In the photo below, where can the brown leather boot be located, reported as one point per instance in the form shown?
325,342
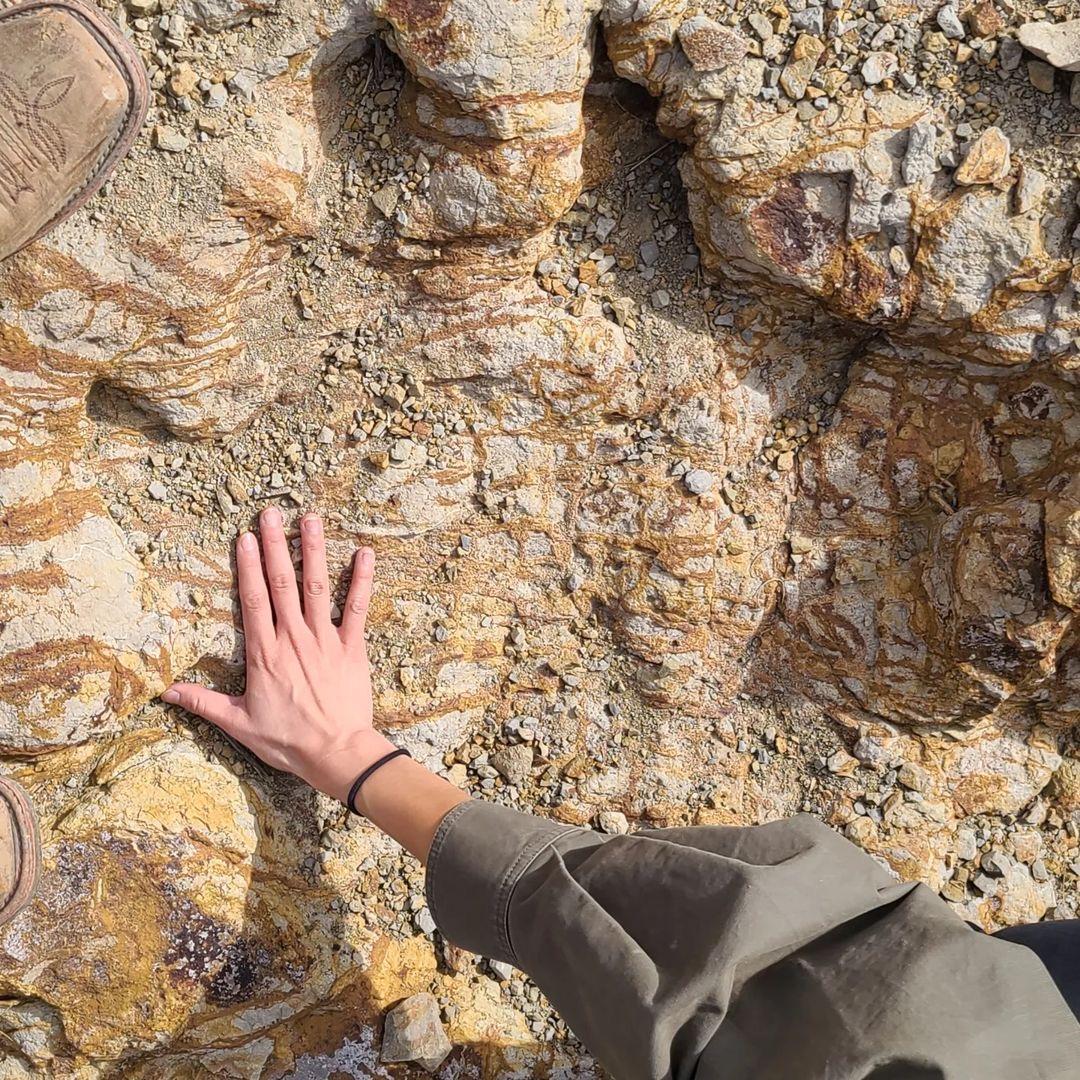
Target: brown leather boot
20,851
73,95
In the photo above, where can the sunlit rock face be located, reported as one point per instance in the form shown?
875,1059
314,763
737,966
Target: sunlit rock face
818,446
925,596
924,593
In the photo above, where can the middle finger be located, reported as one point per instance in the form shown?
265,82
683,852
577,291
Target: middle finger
280,575
316,587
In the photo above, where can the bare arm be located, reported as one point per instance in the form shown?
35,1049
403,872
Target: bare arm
307,705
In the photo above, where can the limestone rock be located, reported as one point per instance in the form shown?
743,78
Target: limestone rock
414,1033
167,138
514,763
920,158
949,20
1063,545
386,199
1065,785
875,368
698,481
984,19
710,46
987,160
613,822
805,54
1030,188
222,14
878,67
1056,43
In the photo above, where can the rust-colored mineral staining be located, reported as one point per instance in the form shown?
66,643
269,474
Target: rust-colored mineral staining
740,482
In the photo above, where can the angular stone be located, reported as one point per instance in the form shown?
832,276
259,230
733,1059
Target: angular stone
1056,43
501,970
966,846
948,19
413,1033
1042,76
244,84
761,25
222,14
985,20
386,199
513,763
920,158
1011,52
841,763
1030,187
217,97
804,58
613,822
879,66
995,862
710,46
1063,545
811,19
1065,785
169,139
183,81
1027,845
913,776
987,160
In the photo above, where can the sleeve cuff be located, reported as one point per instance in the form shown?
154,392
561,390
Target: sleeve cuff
479,853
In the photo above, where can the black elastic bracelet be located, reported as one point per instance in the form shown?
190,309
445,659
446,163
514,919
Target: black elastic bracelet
358,783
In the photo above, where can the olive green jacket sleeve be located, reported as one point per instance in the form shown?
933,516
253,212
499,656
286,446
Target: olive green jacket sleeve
780,951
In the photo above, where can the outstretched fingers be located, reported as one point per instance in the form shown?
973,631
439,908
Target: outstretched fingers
225,710
354,618
316,581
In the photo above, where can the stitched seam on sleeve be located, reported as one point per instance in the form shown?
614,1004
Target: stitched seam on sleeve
525,858
441,833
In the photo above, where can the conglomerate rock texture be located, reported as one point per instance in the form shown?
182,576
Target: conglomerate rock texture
706,379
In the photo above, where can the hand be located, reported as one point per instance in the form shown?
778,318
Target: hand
307,707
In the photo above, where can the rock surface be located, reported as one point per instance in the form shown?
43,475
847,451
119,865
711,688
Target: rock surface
720,466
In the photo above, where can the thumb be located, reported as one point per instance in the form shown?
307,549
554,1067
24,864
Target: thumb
225,710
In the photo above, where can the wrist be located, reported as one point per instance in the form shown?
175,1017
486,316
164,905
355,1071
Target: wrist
335,773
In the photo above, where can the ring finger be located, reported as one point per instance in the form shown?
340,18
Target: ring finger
316,584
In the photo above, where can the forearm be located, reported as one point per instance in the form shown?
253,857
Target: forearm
407,802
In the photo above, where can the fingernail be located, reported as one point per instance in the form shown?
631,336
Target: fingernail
271,516
312,525
367,556
171,696
247,541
